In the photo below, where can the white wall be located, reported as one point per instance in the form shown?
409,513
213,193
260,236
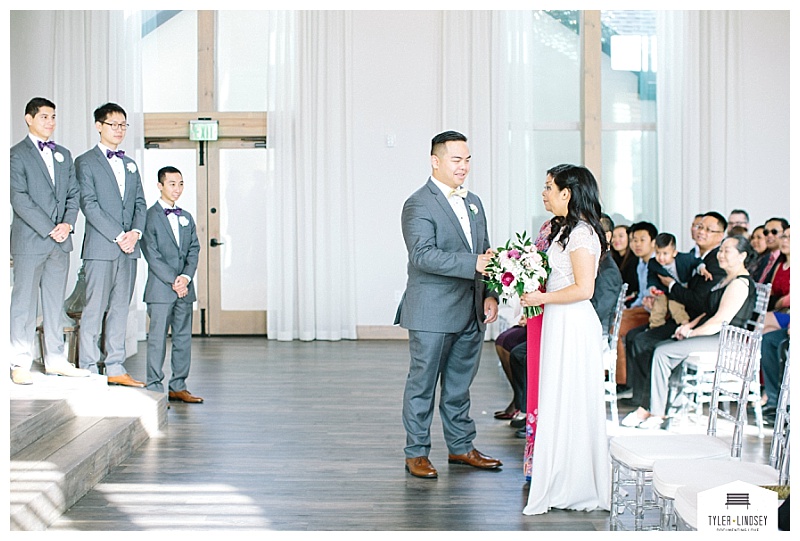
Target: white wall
396,80
763,189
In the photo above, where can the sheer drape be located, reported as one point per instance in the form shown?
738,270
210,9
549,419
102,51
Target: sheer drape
487,93
699,113
95,58
309,237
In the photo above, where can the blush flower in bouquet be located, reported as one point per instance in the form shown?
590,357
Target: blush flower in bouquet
518,268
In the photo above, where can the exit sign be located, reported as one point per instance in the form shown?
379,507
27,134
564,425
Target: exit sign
203,130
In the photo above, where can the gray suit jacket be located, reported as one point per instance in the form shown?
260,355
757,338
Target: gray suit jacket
166,260
443,289
38,205
108,215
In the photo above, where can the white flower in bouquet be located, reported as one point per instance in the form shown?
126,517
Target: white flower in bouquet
517,268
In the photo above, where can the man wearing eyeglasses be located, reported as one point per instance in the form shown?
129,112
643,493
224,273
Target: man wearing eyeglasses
738,218
642,341
112,199
773,230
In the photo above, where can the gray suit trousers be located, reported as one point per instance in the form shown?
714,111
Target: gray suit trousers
109,287
667,357
35,273
456,357
177,315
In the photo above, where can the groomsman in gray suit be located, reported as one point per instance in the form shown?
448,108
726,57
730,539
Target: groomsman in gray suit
44,198
171,249
112,199
445,307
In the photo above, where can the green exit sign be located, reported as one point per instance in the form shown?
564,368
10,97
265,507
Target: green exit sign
203,130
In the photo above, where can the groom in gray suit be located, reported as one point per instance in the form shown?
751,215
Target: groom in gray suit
44,198
445,307
171,248
112,199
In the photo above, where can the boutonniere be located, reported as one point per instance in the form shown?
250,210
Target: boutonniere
183,221
131,167
58,156
473,208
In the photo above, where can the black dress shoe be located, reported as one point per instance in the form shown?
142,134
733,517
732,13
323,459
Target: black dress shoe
520,433
768,410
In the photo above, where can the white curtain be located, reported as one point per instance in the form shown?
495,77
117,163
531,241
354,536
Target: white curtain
699,113
310,284
487,94
93,59
97,59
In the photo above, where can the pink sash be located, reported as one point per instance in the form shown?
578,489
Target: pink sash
534,327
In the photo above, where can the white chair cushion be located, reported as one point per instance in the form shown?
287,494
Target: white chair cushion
671,474
686,504
640,452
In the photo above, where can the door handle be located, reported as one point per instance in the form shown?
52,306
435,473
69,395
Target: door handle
215,242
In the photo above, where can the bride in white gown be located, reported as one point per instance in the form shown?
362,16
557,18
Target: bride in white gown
571,465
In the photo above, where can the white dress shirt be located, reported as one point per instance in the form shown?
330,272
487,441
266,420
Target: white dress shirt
459,205
117,165
47,156
172,218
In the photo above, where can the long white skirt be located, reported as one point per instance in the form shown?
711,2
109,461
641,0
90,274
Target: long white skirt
571,464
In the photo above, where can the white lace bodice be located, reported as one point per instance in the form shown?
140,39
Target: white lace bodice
561,275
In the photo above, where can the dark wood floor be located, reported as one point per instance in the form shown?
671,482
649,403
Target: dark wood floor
308,436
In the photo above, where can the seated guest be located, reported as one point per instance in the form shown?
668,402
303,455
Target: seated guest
696,221
759,244
642,244
608,282
669,262
503,344
738,218
774,348
731,299
779,295
625,260
778,315
738,230
773,229
641,341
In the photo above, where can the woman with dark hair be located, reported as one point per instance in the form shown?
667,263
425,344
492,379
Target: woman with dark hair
759,243
732,299
625,259
570,468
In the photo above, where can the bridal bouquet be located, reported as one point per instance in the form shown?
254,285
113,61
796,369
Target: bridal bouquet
517,268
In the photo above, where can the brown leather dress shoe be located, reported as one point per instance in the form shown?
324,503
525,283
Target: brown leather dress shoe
421,467
124,379
184,396
476,459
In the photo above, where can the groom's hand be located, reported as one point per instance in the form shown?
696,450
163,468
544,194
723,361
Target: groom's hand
490,309
483,260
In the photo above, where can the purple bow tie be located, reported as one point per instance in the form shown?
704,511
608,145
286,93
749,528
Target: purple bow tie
119,154
176,210
49,144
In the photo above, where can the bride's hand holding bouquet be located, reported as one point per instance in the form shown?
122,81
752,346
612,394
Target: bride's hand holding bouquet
518,269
